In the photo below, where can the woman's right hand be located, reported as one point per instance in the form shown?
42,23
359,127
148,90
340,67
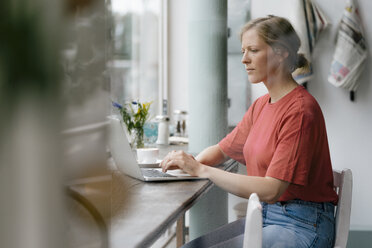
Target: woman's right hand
182,160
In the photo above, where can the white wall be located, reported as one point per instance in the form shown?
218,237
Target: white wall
348,123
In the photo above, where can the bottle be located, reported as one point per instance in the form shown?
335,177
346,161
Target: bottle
163,130
180,118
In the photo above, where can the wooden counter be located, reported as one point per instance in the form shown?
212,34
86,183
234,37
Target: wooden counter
136,213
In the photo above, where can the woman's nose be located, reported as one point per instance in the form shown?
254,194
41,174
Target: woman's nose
245,58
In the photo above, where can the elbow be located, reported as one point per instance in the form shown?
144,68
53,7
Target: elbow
271,200
271,197
273,190
222,153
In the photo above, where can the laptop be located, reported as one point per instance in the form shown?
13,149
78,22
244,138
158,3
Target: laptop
126,162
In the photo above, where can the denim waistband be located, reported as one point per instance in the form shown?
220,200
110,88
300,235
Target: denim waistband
325,206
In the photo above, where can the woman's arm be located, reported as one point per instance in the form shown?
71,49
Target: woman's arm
212,156
267,188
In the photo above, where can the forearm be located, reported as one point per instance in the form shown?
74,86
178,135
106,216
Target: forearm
212,155
268,189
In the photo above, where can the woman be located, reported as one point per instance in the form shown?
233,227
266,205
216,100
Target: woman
282,140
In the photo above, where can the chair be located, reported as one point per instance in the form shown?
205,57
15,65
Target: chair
343,184
253,223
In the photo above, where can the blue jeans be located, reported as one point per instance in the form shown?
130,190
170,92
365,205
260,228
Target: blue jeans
289,224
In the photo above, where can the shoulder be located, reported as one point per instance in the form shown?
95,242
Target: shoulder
305,101
255,108
304,105
259,103
262,100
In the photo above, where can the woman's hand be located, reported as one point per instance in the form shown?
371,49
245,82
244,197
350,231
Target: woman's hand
183,161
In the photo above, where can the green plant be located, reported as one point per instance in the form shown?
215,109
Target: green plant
135,115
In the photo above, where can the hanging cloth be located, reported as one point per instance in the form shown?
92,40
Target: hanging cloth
306,18
350,52
316,22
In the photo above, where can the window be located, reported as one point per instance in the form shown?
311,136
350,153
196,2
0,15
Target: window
135,69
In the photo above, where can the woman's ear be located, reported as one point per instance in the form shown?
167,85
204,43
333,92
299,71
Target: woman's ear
281,53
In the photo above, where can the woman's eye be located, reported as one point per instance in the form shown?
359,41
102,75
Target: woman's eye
251,50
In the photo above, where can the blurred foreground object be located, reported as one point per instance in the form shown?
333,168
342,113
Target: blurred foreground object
85,96
52,125
30,165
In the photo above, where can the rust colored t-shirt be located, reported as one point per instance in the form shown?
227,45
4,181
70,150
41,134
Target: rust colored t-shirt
286,140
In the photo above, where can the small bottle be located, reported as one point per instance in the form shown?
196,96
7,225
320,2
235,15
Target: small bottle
180,117
163,130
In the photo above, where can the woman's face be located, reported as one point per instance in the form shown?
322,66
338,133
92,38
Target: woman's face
258,57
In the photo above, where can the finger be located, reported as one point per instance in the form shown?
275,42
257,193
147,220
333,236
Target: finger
172,167
172,164
166,159
191,156
162,162
166,165
180,153
173,155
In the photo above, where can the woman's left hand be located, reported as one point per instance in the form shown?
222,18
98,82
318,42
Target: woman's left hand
183,161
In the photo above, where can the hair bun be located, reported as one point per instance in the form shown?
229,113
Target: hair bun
302,65
301,61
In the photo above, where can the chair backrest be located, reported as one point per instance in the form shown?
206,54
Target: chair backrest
343,183
253,223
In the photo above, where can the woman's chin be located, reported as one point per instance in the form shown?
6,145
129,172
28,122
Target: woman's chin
254,81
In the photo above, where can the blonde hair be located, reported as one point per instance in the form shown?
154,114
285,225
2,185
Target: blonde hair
278,33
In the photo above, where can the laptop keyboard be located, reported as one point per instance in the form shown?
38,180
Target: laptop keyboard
155,173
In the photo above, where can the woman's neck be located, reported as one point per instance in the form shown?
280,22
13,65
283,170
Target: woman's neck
279,87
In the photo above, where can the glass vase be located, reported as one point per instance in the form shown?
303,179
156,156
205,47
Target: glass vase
138,138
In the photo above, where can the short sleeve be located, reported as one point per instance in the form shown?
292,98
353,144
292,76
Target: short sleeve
232,145
295,147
